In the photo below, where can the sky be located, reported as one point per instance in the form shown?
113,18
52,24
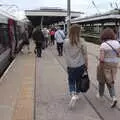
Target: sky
87,6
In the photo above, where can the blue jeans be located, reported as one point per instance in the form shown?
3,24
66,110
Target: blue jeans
74,75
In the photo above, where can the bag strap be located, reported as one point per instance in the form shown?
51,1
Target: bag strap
61,35
113,48
82,51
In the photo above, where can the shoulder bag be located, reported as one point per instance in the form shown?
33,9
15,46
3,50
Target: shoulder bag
84,82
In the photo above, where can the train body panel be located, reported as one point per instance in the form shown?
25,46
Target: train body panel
4,60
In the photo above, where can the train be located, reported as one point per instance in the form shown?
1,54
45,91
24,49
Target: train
11,42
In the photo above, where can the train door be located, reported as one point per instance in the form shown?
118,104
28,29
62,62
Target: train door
4,47
11,29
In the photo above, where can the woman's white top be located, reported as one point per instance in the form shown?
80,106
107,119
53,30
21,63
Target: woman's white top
110,55
74,55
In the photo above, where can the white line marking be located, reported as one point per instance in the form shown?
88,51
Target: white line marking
5,73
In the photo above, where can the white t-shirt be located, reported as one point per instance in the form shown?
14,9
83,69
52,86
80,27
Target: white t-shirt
45,33
110,55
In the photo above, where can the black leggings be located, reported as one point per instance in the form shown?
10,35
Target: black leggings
60,49
52,40
39,50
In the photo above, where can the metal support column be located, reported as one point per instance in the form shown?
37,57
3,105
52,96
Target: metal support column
41,25
68,15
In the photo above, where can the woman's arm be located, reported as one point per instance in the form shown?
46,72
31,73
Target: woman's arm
84,52
101,56
86,60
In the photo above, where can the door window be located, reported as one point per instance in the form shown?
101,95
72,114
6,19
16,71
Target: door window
4,39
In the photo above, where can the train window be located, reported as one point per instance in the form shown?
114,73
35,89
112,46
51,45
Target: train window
4,40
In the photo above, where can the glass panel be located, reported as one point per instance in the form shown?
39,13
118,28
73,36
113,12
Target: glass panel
4,39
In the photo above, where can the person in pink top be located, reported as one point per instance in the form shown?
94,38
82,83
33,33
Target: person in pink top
52,33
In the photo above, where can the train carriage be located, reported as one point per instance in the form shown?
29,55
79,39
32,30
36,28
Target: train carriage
11,30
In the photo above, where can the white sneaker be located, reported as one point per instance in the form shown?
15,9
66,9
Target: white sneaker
114,102
99,97
72,101
77,97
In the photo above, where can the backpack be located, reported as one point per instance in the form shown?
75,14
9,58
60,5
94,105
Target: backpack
52,33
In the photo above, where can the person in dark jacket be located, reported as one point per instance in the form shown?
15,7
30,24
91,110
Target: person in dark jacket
38,37
26,41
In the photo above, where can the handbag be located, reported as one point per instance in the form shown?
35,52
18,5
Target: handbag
84,83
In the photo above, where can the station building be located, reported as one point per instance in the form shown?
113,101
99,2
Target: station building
49,15
96,23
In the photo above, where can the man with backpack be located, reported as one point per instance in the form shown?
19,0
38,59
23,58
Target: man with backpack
46,36
38,37
59,36
26,42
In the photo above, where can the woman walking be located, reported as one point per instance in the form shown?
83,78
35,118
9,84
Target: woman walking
109,53
38,37
76,59
52,33
59,36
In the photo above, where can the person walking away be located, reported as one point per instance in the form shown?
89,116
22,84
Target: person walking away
109,53
25,38
76,58
52,33
59,36
38,37
46,36
30,30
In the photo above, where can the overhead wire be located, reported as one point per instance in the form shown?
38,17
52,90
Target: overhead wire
88,7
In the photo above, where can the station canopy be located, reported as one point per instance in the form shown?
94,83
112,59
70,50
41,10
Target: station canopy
49,15
111,16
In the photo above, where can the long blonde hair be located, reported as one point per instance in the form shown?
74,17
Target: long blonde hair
74,34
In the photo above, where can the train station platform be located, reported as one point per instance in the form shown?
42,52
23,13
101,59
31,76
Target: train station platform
36,89
17,89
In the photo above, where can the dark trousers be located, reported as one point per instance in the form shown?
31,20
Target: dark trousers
39,50
52,40
46,42
60,49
